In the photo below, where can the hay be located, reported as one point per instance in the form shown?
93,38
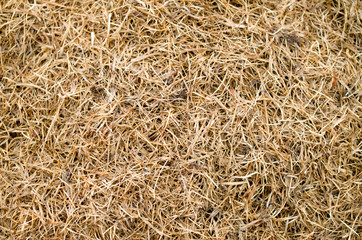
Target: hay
180,119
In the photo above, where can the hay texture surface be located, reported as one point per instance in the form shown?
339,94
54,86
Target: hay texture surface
180,119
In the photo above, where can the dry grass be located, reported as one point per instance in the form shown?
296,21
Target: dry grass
180,119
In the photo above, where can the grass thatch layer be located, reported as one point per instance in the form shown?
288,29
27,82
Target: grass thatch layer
180,119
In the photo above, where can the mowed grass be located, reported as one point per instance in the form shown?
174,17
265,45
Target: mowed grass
180,119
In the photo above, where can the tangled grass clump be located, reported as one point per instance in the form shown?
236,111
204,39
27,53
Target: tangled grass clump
180,119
